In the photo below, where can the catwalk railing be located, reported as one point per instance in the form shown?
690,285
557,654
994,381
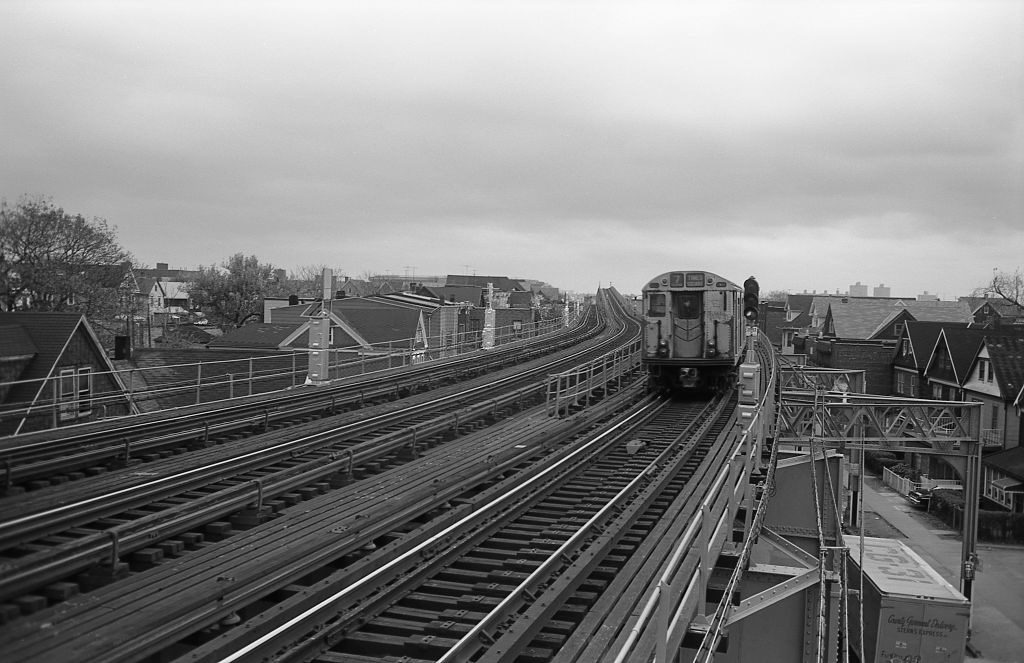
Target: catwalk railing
54,401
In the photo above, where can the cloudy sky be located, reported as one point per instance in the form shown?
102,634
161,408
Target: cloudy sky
812,144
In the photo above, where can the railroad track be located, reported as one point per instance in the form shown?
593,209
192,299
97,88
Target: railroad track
38,460
325,530
517,588
157,518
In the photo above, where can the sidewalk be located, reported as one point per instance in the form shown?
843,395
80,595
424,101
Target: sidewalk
998,605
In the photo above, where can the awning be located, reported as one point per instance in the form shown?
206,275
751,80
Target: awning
1009,485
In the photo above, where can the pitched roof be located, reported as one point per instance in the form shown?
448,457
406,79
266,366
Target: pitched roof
409,299
520,299
502,283
1010,461
801,302
922,337
1007,356
355,288
1000,305
860,317
378,320
257,336
456,293
295,314
49,332
962,344
146,284
173,289
15,342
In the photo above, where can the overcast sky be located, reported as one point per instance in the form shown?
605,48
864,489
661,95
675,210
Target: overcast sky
813,145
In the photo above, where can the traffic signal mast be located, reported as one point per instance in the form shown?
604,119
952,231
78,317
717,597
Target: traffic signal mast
751,300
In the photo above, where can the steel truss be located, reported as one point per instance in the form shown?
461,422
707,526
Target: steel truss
854,423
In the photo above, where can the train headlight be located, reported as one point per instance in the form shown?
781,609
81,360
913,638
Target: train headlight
662,348
712,349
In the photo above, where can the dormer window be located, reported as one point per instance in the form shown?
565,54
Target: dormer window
985,370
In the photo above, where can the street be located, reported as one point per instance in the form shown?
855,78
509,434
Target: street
998,601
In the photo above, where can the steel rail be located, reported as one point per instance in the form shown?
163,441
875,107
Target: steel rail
526,591
16,528
197,422
87,550
482,513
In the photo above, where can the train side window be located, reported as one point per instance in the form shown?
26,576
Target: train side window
656,303
686,304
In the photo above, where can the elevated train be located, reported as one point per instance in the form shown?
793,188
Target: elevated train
694,332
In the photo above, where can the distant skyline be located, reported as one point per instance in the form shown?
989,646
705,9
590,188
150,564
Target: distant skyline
811,144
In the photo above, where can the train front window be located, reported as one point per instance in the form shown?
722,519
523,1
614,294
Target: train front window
656,304
686,305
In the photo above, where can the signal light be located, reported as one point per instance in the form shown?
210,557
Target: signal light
751,300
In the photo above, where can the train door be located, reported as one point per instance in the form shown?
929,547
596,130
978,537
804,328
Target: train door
657,322
688,324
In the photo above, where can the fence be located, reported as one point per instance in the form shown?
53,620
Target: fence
904,485
575,387
161,385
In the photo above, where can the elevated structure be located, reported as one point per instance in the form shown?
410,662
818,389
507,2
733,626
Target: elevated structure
791,571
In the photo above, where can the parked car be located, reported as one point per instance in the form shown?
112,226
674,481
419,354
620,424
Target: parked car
921,497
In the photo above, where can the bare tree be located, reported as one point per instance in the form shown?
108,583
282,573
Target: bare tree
232,294
309,278
1008,286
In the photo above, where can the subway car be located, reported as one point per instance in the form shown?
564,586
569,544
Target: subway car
694,332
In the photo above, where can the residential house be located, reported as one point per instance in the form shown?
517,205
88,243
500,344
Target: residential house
261,338
455,294
1002,476
520,299
55,373
913,351
794,332
773,321
546,291
500,283
950,362
367,323
995,312
861,332
995,379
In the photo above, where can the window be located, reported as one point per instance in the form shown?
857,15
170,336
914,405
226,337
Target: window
687,305
990,372
897,330
904,347
901,382
67,408
84,391
656,306
995,415
74,393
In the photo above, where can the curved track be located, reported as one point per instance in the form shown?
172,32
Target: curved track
151,518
